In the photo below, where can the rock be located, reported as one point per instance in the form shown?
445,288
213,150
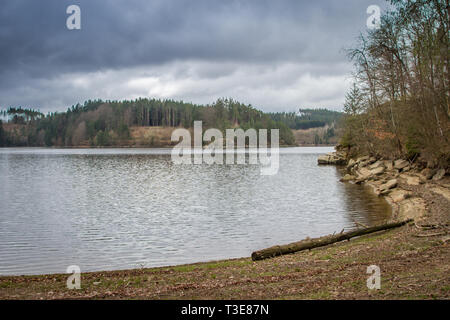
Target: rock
341,154
400,164
348,177
422,179
350,164
439,174
372,160
384,192
331,158
323,159
445,192
399,195
428,173
361,159
377,171
363,164
407,168
376,164
389,185
411,180
388,164
363,173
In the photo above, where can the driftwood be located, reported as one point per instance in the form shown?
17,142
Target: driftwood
320,242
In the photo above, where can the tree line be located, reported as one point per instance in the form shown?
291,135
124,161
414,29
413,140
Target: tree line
20,115
308,118
107,123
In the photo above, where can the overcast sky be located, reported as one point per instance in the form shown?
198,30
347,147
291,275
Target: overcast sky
277,55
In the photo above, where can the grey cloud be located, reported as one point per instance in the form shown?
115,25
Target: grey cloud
282,87
221,36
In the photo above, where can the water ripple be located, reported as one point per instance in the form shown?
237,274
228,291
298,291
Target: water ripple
106,209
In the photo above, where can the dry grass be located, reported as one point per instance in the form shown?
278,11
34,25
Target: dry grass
306,137
151,136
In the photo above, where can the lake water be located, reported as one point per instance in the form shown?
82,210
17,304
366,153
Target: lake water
107,209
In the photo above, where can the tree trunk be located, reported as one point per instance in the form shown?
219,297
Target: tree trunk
320,242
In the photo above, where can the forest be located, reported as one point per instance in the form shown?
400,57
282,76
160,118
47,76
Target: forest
399,105
308,118
108,123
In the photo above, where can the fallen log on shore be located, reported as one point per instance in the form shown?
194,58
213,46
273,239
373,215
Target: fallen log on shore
320,242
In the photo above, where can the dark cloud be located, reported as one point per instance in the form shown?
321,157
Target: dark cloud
191,39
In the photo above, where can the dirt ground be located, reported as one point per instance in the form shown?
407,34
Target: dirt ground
413,260
307,137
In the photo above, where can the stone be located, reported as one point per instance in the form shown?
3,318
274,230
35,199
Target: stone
428,173
363,173
388,164
439,175
411,180
341,154
363,164
351,163
360,159
385,192
399,195
445,192
323,159
376,164
389,185
331,158
348,177
422,179
377,171
400,164
366,174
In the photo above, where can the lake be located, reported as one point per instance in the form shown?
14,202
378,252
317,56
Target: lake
108,209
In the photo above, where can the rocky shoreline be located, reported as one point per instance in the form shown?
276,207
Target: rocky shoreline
393,179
